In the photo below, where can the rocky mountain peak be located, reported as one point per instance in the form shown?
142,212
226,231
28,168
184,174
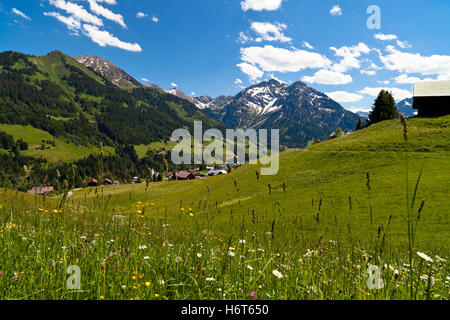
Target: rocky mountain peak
109,71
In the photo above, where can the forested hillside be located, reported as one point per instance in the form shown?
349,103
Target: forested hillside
57,94
79,107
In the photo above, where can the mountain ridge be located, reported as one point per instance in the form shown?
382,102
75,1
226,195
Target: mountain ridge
300,112
108,70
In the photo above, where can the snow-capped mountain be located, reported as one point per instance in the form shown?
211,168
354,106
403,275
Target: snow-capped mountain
300,112
405,107
203,102
108,70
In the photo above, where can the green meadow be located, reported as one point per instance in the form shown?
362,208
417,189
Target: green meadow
361,217
63,150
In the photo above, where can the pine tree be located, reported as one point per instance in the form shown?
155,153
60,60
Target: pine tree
384,108
359,125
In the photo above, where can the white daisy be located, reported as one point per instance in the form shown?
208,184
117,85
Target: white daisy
277,274
424,256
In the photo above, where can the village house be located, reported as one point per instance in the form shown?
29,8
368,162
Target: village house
185,175
213,173
432,98
93,183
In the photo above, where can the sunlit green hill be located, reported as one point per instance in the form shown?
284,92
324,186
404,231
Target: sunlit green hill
333,176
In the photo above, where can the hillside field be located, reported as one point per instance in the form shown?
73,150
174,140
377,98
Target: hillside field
63,150
316,230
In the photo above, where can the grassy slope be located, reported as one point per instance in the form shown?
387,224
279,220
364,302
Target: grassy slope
322,172
63,151
100,229
52,65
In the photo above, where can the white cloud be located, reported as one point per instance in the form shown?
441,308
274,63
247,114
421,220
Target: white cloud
141,15
91,28
77,11
270,32
243,38
144,15
253,72
405,79
405,62
113,2
20,14
104,38
344,96
385,37
70,22
272,76
108,14
369,72
336,11
238,81
328,77
173,84
272,59
403,44
373,66
349,57
399,94
260,5
307,45
145,79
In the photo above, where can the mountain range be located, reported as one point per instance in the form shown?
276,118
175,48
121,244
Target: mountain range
301,113
88,98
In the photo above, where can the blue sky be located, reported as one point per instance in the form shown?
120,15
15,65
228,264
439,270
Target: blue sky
216,47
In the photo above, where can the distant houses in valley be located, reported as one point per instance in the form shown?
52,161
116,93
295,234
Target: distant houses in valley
432,98
192,174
